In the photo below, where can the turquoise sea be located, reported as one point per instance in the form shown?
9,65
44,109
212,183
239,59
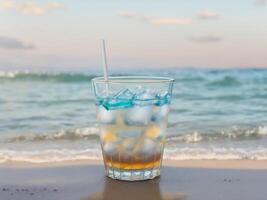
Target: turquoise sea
215,114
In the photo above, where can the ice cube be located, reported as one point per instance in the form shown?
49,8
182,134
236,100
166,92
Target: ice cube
152,131
163,99
138,115
127,145
124,95
160,113
126,149
112,104
123,99
106,116
137,89
129,133
110,148
146,97
145,147
108,136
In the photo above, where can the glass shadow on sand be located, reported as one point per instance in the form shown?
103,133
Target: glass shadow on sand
142,190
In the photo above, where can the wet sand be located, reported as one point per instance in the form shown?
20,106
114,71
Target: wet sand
196,180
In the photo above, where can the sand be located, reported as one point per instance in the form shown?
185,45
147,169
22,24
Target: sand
192,180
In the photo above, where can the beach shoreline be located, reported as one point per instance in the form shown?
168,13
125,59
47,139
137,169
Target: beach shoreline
211,164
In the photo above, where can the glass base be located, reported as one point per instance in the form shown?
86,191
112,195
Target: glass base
132,175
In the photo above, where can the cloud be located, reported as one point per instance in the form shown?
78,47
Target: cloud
170,21
155,20
205,39
7,4
30,7
13,43
260,2
208,15
127,14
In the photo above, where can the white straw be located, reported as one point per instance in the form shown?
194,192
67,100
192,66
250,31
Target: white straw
105,65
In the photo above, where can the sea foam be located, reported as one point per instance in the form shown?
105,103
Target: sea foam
61,155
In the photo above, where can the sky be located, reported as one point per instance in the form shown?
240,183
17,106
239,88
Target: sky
57,34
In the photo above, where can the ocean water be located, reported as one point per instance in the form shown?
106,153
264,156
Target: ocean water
215,114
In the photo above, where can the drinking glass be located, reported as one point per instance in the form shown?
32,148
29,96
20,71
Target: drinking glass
132,113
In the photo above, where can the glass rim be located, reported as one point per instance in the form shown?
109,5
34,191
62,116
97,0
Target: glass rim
133,79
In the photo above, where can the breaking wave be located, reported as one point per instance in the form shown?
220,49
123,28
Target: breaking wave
92,133
73,134
45,77
232,134
49,155
216,154
63,155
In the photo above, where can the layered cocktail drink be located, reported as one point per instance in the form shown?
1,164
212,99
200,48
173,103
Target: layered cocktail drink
132,113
